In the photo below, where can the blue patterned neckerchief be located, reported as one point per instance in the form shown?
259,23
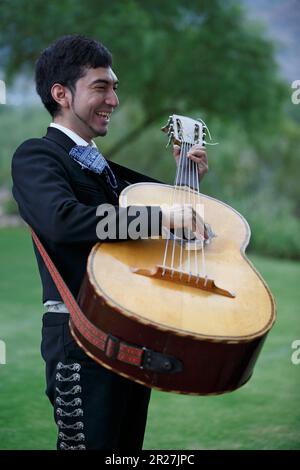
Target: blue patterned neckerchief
91,159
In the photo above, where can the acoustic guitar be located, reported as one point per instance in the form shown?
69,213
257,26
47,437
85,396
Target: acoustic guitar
175,313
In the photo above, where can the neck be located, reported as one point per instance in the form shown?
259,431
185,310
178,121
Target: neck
63,122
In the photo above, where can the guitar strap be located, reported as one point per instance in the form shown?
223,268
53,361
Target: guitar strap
112,347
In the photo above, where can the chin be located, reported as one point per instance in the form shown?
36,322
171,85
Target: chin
101,132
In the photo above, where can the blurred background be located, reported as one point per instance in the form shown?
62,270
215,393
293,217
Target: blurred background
233,64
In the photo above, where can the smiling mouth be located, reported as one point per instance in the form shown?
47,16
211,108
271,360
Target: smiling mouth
105,116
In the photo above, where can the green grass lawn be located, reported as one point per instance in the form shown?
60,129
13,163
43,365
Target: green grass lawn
264,414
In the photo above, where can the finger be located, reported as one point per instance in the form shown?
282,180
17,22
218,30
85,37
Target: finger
197,159
199,226
202,166
198,154
197,147
202,169
176,150
199,235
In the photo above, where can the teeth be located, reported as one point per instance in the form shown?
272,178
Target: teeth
106,115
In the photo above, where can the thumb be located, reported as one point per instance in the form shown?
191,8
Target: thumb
176,150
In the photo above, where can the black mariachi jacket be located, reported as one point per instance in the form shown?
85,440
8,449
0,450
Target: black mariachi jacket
58,200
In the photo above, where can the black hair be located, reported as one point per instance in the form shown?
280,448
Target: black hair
65,61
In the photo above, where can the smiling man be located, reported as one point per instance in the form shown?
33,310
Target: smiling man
58,182
91,106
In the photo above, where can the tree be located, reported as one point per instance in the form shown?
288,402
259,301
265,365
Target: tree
170,56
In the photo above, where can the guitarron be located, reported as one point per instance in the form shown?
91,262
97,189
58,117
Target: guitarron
177,314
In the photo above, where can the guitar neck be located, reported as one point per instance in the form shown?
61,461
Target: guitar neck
187,174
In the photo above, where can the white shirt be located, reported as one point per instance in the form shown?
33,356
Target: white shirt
57,305
77,139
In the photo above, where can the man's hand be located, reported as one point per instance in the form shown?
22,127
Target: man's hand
183,216
197,154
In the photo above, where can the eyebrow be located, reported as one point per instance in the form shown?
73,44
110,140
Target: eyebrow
106,82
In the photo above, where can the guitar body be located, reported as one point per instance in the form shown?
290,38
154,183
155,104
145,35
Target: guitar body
217,338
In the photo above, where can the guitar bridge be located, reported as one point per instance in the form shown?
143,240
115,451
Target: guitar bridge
184,278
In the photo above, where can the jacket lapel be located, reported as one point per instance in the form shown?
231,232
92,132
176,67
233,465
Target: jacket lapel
59,138
123,173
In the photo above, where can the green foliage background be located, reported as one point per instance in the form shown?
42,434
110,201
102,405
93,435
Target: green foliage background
199,58
263,414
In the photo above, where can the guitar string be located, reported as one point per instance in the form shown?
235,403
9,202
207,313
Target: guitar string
182,199
189,232
195,203
202,241
198,190
174,193
194,190
178,191
183,175
186,195
192,170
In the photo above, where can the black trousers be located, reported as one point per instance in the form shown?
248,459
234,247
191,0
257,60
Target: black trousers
94,408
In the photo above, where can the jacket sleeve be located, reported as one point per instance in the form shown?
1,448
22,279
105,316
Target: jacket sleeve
42,189
132,176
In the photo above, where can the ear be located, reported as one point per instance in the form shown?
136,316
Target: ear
62,95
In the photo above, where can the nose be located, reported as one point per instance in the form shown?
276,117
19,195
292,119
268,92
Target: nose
112,99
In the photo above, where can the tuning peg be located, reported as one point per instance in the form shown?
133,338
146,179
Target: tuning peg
170,139
168,125
170,129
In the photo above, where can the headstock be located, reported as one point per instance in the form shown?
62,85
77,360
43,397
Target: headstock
182,129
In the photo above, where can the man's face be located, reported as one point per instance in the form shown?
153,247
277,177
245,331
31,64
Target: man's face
94,100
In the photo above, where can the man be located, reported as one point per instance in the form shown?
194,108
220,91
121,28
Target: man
59,180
